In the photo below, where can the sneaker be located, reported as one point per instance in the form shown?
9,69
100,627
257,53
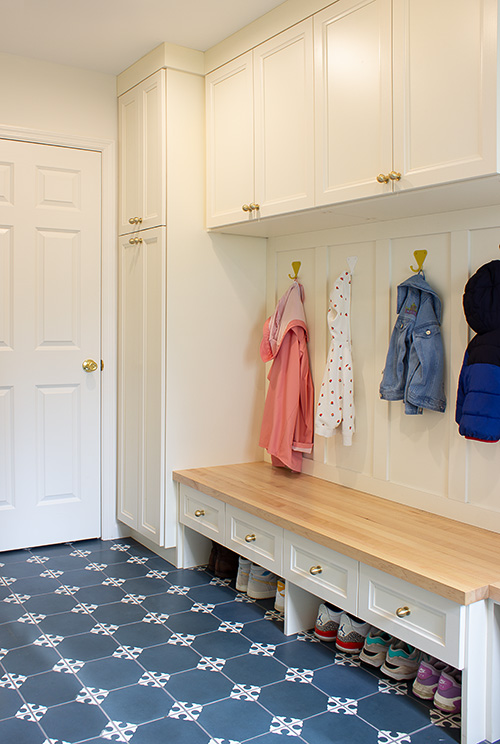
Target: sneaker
261,583
351,634
243,574
279,600
448,695
426,681
375,647
327,623
401,661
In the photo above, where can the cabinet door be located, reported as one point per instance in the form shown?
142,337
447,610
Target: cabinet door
284,121
141,113
353,99
230,142
445,95
141,382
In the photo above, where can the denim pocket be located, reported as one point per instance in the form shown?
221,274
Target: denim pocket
425,385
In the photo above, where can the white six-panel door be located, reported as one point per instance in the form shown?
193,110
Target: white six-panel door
50,217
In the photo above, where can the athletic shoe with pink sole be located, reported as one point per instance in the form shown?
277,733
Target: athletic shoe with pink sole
427,679
448,697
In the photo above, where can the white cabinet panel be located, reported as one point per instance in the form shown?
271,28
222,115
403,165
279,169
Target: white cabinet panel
141,388
254,538
353,99
141,123
432,623
202,513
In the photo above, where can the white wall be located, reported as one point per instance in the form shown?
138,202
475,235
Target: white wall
417,460
56,98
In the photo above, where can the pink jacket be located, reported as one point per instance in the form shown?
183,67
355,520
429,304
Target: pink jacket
287,425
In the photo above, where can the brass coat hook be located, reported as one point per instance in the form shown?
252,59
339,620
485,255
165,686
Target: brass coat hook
419,258
296,268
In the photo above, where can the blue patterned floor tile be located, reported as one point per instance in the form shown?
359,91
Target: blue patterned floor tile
22,570
67,562
16,634
188,577
221,645
394,712
274,739
213,594
304,654
155,562
110,673
4,591
30,660
50,604
345,681
331,728
50,688
436,735
145,586
82,577
168,658
59,549
195,623
67,623
234,719
174,730
126,570
265,631
169,604
10,611
98,595
137,704
14,556
18,731
87,646
142,634
73,722
198,686
35,585
10,701
119,613
137,549
242,612
255,670
293,699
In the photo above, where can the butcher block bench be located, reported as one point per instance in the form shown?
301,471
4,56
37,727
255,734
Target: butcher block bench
429,580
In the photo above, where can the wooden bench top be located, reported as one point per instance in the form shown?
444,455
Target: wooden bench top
450,558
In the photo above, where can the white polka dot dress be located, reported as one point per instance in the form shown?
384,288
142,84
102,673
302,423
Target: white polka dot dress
335,406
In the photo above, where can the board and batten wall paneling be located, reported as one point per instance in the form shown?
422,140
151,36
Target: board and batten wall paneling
418,460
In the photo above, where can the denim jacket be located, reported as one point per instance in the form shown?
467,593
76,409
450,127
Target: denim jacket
414,368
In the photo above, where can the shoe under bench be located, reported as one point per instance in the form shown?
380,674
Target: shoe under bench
426,579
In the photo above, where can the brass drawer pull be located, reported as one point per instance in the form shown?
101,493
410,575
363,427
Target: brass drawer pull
247,208
135,241
254,207
403,611
382,178
199,513
250,538
314,570
135,220
395,176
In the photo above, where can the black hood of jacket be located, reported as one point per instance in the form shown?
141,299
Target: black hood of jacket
481,299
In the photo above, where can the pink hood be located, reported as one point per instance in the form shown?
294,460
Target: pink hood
289,313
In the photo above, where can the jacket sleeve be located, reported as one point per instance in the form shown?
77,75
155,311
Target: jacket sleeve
303,436
461,391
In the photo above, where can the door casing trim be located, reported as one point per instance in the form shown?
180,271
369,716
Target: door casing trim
110,527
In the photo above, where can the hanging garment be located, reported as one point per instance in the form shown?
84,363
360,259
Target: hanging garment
414,368
336,398
287,424
478,396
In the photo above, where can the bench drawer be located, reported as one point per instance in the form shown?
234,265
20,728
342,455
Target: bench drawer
202,513
321,571
254,538
432,623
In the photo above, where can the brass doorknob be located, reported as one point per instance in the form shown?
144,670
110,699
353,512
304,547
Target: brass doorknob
89,365
254,207
395,176
247,208
381,178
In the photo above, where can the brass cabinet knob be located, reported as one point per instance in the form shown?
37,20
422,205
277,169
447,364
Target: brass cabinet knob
314,570
89,365
250,538
199,513
135,241
381,178
403,611
395,176
135,220
254,207
246,208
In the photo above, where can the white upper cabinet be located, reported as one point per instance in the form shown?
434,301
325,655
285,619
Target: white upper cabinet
141,122
445,90
353,99
260,132
406,95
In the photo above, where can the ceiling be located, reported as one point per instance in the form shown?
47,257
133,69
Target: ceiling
109,35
